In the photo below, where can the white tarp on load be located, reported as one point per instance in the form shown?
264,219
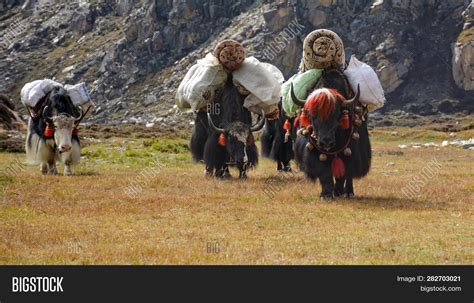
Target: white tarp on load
263,81
371,91
200,84
78,94
34,91
260,81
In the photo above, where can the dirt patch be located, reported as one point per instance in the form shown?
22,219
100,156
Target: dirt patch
11,142
132,131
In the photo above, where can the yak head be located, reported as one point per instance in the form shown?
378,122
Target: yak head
326,108
237,137
61,118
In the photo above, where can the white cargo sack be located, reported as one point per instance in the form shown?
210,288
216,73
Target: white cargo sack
78,94
200,84
263,82
371,91
34,91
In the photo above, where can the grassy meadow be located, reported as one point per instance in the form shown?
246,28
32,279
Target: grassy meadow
143,201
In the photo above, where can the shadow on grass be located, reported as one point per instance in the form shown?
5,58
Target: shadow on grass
390,202
285,177
85,174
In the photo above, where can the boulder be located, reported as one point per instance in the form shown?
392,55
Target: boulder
83,19
123,7
9,118
317,18
277,19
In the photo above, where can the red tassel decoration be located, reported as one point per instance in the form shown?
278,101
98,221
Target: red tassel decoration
287,125
345,121
296,122
222,140
75,131
338,168
304,119
250,140
49,132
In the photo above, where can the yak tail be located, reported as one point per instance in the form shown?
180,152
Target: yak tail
267,141
32,147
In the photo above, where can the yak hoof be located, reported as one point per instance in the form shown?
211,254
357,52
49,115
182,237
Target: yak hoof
67,172
349,195
44,169
53,171
208,172
326,197
227,174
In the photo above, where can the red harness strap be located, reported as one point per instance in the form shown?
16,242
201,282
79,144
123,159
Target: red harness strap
49,131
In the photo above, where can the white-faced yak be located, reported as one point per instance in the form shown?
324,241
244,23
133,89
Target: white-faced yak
223,135
333,140
52,133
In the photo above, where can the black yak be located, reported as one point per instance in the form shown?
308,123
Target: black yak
223,134
277,140
52,133
333,142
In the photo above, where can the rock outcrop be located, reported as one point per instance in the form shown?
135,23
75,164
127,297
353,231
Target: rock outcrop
463,53
9,118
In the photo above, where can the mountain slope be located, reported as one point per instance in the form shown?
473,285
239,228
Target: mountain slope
133,54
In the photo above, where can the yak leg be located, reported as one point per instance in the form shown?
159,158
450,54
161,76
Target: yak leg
286,166
44,168
279,165
223,172
339,189
52,168
226,172
220,171
67,168
242,171
209,172
327,183
349,190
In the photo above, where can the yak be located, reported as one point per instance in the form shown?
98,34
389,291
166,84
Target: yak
277,140
333,141
52,133
223,134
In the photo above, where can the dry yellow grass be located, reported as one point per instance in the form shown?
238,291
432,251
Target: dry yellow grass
183,218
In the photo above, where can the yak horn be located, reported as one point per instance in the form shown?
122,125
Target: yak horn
348,103
295,99
260,124
46,118
81,115
211,124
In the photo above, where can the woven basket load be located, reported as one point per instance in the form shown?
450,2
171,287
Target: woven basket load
322,49
230,53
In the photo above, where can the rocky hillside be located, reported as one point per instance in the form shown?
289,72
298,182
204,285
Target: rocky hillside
133,54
